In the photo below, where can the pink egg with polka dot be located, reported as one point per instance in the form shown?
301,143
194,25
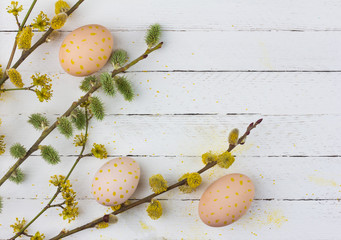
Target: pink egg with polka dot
226,200
86,50
116,181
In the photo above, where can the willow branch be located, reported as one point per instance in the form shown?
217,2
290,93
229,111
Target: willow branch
74,105
42,40
17,89
49,204
151,196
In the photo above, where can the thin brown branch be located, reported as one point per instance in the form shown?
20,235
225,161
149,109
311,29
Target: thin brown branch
147,199
83,99
42,40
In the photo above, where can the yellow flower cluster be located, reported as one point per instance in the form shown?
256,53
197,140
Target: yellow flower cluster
43,86
70,211
41,22
225,160
24,38
61,6
209,157
2,143
158,183
154,209
193,181
59,20
79,140
14,8
38,236
99,151
15,77
233,136
18,225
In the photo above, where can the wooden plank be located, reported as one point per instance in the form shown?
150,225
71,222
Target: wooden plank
260,15
266,219
213,51
191,135
272,176
212,93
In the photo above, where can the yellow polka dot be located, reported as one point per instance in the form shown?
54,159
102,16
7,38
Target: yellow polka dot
227,197
249,190
120,170
237,193
227,186
88,71
83,40
236,205
227,214
241,182
225,222
105,57
212,213
99,188
67,50
136,177
245,207
130,173
215,200
107,189
103,39
94,192
209,222
109,170
97,27
71,42
103,30
96,178
93,34
114,193
68,69
96,43
91,49
127,191
97,198
233,216
115,164
121,196
81,66
80,57
90,27
217,220
132,187
97,65
107,200
101,170
64,45
102,49
99,58
109,38
122,162
62,61
77,47
125,180
72,62
78,72
232,179
109,47
120,188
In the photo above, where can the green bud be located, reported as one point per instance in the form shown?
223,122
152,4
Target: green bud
38,121
153,35
107,84
49,154
17,176
97,108
17,151
65,127
124,87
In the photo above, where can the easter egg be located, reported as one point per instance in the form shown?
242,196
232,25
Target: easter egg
116,181
86,50
226,200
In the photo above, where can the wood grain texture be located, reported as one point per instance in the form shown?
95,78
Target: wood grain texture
224,64
214,15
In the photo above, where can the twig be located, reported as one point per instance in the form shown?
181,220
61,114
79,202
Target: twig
16,89
83,99
147,199
42,40
20,27
49,204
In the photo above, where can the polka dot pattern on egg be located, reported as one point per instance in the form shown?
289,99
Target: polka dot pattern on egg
86,50
116,181
226,200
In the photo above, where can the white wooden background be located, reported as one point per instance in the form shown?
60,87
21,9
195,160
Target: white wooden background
224,64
